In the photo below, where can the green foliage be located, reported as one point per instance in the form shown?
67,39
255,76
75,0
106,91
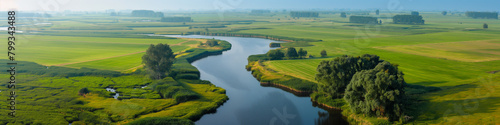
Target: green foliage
479,15
274,44
408,19
275,54
303,14
158,60
485,26
444,13
212,42
258,57
83,91
302,53
169,88
176,19
363,19
334,75
343,15
377,92
415,13
161,121
146,13
323,53
291,53
377,12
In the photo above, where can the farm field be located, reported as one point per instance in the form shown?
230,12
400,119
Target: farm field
451,52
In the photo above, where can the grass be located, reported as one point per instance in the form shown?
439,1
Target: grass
452,52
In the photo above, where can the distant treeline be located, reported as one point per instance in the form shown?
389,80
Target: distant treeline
146,13
363,19
176,19
486,15
304,14
259,12
408,19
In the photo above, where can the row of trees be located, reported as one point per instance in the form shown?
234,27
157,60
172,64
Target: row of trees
259,12
290,53
304,14
408,19
146,13
486,15
176,19
363,19
369,85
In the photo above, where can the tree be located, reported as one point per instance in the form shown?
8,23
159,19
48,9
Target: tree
334,75
291,53
83,91
343,15
323,53
158,60
377,12
302,53
444,13
485,26
275,54
377,92
212,43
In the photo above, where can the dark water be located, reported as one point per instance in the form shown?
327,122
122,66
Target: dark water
249,103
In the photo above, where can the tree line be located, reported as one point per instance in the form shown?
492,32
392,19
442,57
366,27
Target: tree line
290,53
408,19
176,19
369,85
146,13
304,14
485,15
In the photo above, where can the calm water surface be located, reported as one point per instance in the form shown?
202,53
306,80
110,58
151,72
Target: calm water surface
249,103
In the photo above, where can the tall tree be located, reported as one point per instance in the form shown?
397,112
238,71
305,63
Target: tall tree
291,53
334,75
158,60
444,13
302,53
377,12
83,91
377,92
485,26
323,53
343,15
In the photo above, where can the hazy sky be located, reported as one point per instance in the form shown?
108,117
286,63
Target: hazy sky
89,5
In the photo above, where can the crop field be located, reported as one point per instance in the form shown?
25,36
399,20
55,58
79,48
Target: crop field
452,52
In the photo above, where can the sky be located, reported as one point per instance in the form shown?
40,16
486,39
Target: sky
100,5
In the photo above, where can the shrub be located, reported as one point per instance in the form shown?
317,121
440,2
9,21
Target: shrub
161,121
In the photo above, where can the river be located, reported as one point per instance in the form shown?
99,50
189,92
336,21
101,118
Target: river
249,103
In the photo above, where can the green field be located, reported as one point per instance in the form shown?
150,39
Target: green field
452,52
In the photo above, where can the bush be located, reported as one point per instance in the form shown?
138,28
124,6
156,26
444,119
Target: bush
184,95
161,121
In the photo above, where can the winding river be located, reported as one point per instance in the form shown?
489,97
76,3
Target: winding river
249,103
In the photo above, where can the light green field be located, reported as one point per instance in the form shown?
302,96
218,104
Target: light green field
452,52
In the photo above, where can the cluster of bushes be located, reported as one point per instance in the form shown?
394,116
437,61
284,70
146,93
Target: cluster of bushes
408,19
485,15
169,88
37,69
290,53
363,19
369,85
146,13
176,19
303,14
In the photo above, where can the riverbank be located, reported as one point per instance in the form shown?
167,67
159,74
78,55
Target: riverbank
269,77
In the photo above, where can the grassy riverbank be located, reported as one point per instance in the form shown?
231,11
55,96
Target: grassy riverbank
47,91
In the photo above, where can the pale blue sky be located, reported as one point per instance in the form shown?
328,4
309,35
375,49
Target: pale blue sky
89,5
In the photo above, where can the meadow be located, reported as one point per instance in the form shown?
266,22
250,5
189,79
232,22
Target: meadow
452,52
